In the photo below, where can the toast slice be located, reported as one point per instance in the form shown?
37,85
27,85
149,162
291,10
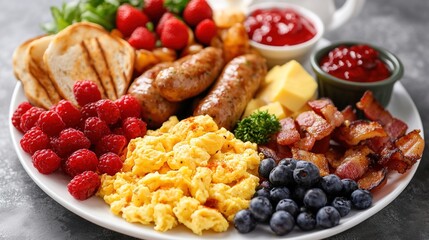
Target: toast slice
37,67
67,59
93,47
120,57
33,90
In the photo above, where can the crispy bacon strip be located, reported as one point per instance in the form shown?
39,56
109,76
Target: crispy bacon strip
322,145
411,145
374,111
355,163
314,124
275,151
349,114
335,156
288,133
372,178
326,108
317,159
358,131
305,143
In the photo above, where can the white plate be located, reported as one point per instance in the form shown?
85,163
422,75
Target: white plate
96,211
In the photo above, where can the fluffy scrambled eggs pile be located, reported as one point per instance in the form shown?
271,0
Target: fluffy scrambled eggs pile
188,172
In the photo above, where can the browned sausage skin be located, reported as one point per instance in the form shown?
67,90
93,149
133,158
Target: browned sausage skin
232,91
155,108
190,75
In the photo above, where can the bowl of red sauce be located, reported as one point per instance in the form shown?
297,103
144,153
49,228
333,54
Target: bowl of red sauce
345,70
281,31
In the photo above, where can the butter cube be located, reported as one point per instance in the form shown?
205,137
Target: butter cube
252,106
291,85
277,109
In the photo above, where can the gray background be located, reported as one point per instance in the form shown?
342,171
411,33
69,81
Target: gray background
26,212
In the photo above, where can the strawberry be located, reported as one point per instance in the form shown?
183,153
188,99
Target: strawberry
196,11
154,9
128,18
175,34
142,38
205,31
166,16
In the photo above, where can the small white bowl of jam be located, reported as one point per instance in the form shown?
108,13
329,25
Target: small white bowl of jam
282,31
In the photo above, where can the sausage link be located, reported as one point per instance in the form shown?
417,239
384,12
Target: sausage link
190,75
155,108
232,91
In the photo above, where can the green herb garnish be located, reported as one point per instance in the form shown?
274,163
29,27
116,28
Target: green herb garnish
102,12
257,128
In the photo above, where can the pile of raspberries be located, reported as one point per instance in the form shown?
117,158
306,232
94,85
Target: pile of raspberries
82,141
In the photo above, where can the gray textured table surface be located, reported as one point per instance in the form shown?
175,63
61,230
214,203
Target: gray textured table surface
26,212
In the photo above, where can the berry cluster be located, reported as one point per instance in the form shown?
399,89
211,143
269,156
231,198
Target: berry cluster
83,141
162,20
295,194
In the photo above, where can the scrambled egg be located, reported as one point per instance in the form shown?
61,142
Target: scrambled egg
188,172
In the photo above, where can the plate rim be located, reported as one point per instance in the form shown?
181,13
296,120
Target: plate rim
69,203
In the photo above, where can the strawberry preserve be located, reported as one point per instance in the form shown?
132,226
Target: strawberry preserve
279,27
358,63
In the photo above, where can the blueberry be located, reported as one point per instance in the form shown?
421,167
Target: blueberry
331,184
298,194
306,221
282,223
343,205
306,174
244,221
349,185
281,176
266,184
266,166
279,193
315,198
290,162
361,199
327,217
262,192
289,206
261,208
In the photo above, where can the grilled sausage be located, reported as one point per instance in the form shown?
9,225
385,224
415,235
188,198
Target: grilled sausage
155,108
232,91
190,75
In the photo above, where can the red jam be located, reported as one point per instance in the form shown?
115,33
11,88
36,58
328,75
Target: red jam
359,63
279,27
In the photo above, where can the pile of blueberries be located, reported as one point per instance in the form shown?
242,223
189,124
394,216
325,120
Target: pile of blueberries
294,193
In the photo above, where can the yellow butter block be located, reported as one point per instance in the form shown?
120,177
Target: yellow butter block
277,109
252,106
291,85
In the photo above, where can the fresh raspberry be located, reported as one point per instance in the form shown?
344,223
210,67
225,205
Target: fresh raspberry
154,9
166,16
20,110
175,34
133,128
95,128
111,143
68,141
109,163
196,11
108,111
205,31
128,18
89,110
86,92
84,185
33,140
46,161
29,118
142,38
69,113
51,123
80,161
129,106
